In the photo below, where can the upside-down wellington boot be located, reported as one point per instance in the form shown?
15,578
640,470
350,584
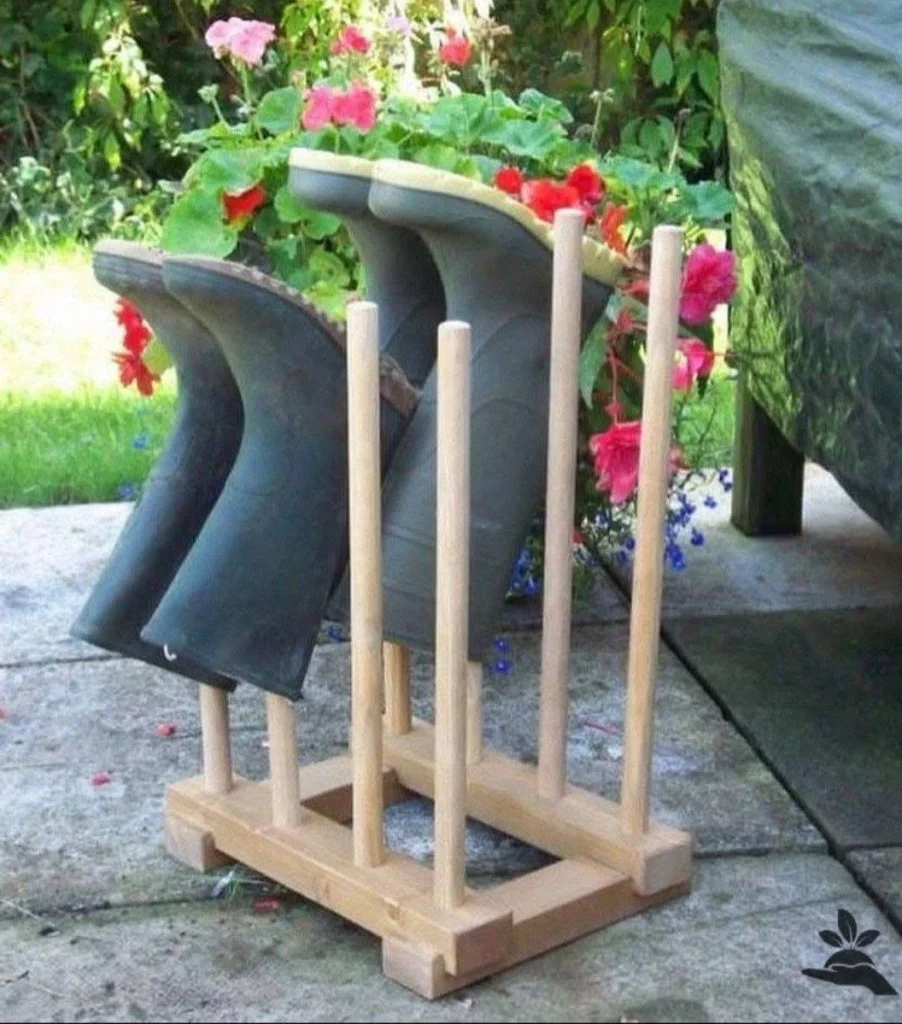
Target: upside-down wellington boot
187,478
249,598
495,261
401,277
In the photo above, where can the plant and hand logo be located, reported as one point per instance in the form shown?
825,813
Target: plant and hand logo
850,966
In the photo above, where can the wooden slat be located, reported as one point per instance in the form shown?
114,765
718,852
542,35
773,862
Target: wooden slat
283,761
503,793
397,688
550,907
317,861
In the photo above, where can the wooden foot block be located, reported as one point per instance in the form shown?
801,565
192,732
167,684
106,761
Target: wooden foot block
504,793
192,844
550,907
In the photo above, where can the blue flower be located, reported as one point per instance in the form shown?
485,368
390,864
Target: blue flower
630,542
710,501
697,538
502,644
127,492
726,482
674,554
335,633
502,666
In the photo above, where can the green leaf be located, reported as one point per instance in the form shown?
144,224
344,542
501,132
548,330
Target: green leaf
326,267
228,170
318,224
591,360
438,155
534,140
280,110
662,65
156,356
544,108
289,210
195,226
111,151
709,75
711,201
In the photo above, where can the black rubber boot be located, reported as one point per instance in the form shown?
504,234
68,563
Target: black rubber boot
401,276
186,480
495,261
249,598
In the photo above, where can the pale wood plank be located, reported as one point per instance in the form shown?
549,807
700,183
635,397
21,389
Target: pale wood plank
396,659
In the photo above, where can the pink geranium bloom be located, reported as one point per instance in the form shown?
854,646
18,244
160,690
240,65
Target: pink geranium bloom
318,104
456,49
694,360
709,278
616,454
350,40
357,106
241,39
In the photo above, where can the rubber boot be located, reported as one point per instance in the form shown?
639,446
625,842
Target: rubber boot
187,478
249,598
495,262
400,274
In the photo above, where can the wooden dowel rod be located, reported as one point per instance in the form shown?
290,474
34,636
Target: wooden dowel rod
396,661
451,607
648,570
563,412
283,762
474,712
365,525
215,741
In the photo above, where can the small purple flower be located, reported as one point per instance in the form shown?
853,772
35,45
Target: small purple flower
674,554
502,666
697,538
710,501
399,24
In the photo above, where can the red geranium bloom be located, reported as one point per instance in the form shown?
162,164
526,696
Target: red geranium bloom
510,180
136,333
610,223
588,183
240,205
709,278
351,40
694,360
456,49
133,370
545,197
616,454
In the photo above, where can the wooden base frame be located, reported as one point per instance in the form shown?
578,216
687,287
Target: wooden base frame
604,875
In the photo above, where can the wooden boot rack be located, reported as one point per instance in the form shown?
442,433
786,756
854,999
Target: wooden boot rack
318,829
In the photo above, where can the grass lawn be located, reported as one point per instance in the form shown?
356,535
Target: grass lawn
70,433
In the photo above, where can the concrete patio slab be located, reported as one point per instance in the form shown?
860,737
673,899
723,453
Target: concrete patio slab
881,871
819,694
49,559
843,559
72,844
732,950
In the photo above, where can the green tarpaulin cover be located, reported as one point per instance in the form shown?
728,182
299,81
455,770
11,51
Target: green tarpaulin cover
812,91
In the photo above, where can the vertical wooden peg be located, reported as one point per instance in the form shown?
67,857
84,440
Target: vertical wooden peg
474,712
452,589
563,412
283,762
396,660
215,742
365,518
648,570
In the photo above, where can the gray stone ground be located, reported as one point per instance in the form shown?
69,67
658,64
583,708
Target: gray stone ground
131,935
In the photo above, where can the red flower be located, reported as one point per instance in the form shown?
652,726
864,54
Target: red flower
694,360
456,49
510,180
545,197
588,183
610,223
241,205
136,333
266,905
357,106
100,779
165,729
616,454
350,40
709,278
133,370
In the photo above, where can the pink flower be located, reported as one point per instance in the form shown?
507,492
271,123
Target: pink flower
241,39
350,40
694,360
357,106
401,25
166,729
455,50
616,454
100,779
709,278
318,107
